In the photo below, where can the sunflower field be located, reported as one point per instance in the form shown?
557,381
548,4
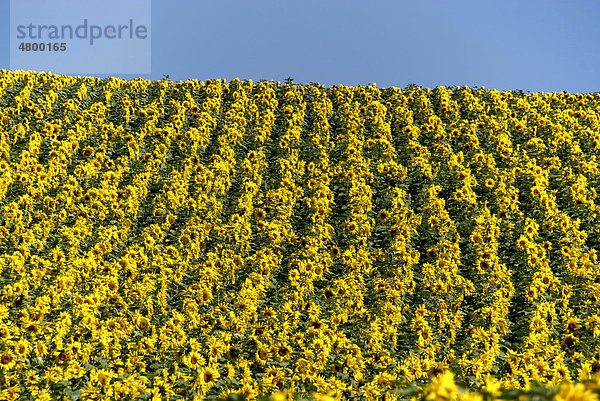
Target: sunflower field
200,239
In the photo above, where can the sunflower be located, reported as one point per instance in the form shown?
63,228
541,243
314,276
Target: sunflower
546,279
284,351
569,342
215,348
87,152
61,357
328,294
259,331
232,352
7,360
562,373
102,377
484,265
269,313
382,215
209,376
302,366
262,355
22,347
318,344
352,227
572,324
41,349
575,392
294,275
458,195
143,323
32,378
4,331
205,295
31,327
436,370
193,360
522,242
335,251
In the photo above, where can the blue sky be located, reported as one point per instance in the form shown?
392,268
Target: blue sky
534,46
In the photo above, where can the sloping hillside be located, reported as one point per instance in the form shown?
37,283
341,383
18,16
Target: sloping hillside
193,239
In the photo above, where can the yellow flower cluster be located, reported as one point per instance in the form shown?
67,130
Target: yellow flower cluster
183,240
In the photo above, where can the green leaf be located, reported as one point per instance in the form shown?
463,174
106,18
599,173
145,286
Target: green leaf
62,384
73,395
